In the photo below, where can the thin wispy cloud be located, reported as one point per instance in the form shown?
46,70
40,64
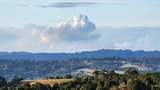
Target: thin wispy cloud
61,4
16,5
69,4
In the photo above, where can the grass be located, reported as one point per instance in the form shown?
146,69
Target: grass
51,82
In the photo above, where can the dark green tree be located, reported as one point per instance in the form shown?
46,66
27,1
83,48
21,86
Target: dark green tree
15,81
3,82
67,76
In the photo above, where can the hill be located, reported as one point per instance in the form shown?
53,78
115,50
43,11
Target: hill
80,55
33,69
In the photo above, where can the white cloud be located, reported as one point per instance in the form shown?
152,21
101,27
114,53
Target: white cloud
78,29
122,45
66,36
78,34
8,34
134,38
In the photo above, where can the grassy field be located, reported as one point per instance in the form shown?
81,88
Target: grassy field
51,82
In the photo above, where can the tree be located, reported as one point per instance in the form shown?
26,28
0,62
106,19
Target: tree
15,81
39,86
55,86
134,84
96,73
111,72
3,82
26,86
4,88
90,86
67,76
131,72
19,88
48,87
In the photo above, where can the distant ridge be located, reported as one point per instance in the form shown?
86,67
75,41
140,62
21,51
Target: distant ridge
84,54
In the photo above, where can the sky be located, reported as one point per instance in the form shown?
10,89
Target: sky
79,25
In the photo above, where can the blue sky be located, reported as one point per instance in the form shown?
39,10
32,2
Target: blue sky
104,13
118,18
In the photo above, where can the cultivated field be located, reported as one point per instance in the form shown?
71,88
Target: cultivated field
51,82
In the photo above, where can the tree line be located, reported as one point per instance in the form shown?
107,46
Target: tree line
99,80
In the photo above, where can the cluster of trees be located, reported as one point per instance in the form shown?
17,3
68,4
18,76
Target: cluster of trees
100,80
109,80
5,85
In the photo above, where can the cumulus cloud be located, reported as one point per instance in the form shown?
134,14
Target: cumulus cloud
63,37
78,29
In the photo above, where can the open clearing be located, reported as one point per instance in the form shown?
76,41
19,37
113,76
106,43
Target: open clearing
51,82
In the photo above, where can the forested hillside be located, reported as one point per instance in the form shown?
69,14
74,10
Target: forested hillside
85,54
32,69
99,80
